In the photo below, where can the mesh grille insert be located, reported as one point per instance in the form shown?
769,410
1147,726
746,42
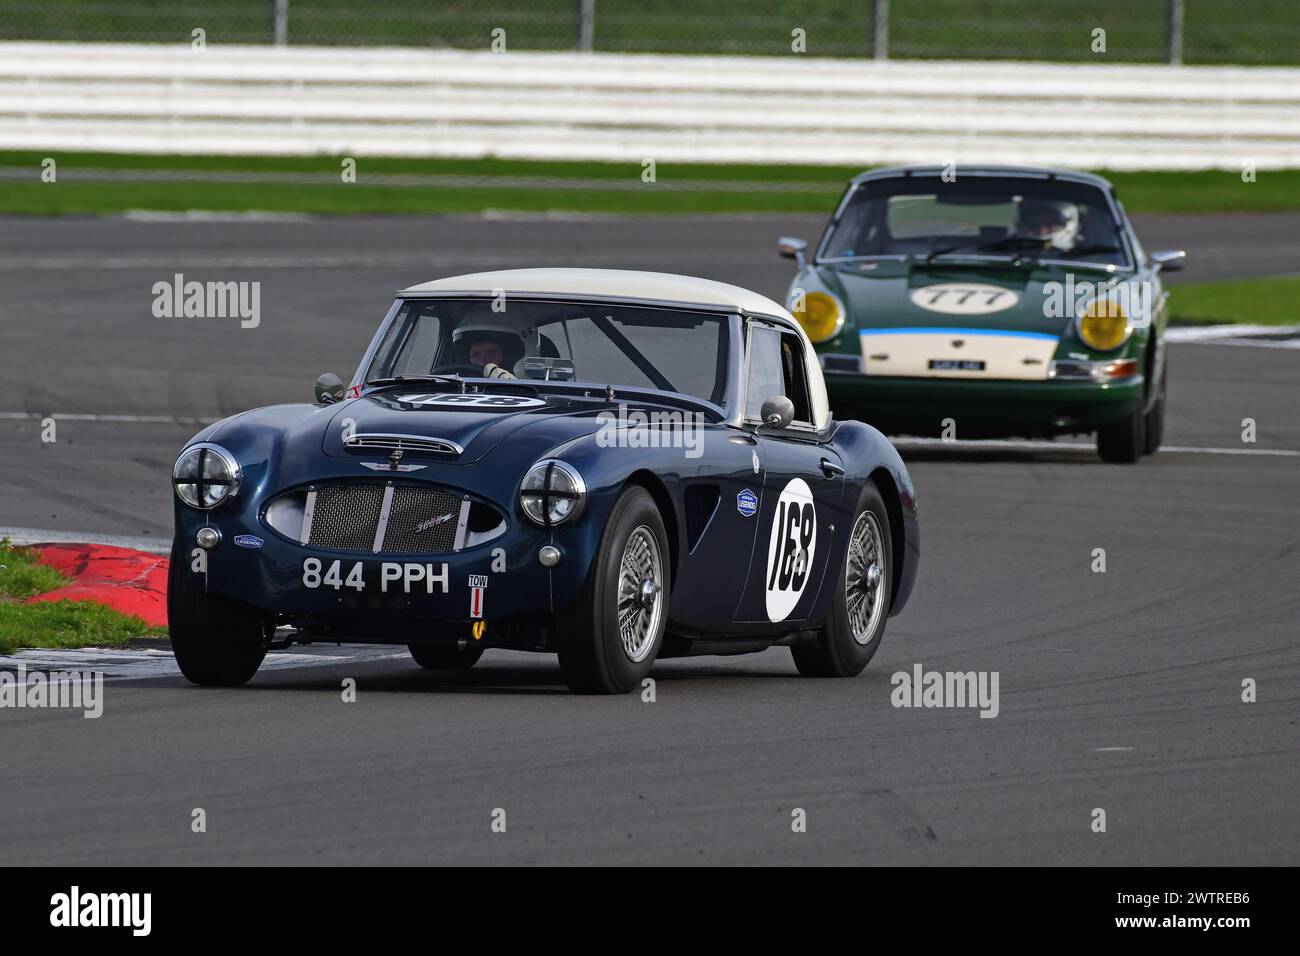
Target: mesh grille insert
422,520
346,516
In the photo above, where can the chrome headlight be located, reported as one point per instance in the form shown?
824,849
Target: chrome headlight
206,475
552,493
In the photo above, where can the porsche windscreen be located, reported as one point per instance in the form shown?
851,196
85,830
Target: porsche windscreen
668,349
984,216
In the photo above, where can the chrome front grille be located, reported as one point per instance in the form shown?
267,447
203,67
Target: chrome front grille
375,517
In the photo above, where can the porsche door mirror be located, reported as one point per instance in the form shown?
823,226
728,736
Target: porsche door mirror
791,248
329,389
777,412
1170,260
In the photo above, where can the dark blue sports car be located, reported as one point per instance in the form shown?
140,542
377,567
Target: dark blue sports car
610,466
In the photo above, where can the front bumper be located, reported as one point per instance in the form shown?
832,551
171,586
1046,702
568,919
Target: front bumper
430,589
982,408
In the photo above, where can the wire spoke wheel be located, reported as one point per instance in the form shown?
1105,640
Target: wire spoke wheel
864,577
640,593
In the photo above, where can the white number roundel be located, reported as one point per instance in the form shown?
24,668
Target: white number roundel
964,298
476,400
790,549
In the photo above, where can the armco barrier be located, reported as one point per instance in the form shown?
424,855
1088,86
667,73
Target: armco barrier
396,102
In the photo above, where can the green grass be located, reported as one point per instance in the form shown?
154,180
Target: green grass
1271,301
58,623
1216,31
818,187
21,576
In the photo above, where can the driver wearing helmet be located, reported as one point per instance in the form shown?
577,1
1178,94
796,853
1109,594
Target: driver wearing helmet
1055,223
493,348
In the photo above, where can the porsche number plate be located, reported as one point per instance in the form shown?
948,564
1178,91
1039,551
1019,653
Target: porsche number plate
956,365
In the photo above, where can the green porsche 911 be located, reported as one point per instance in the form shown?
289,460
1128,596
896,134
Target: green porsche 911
988,302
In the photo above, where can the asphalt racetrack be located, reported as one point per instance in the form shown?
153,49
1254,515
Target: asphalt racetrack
1119,691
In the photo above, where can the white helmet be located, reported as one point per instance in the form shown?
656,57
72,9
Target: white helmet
1051,220
505,338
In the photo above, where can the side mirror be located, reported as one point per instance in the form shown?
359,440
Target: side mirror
791,248
329,389
777,412
1170,260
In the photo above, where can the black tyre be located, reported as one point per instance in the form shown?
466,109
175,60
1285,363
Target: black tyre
217,642
609,636
1123,441
1155,423
855,623
446,657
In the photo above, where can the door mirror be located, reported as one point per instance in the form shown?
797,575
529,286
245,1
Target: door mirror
777,412
1170,260
791,248
329,389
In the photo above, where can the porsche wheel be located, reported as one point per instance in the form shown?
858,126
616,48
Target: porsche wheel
607,639
859,608
446,657
1123,441
217,642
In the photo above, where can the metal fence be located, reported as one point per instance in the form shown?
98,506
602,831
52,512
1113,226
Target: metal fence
1247,32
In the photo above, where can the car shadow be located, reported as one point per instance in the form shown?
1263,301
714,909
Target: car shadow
996,455
540,678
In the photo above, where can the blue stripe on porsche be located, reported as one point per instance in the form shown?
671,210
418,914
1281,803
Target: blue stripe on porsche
934,331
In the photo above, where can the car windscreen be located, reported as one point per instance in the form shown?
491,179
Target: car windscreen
923,216
673,350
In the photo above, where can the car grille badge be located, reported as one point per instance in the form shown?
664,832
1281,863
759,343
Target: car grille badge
389,466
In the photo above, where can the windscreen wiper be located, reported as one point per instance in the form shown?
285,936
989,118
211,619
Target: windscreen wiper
1006,242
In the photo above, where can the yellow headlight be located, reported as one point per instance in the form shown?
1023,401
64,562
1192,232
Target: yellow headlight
1104,325
821,315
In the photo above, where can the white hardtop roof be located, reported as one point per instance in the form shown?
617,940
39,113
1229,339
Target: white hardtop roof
604,283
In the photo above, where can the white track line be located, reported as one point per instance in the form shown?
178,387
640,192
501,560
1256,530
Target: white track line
141,663
1256,336
1195,333
1028,444
179,263
130,419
